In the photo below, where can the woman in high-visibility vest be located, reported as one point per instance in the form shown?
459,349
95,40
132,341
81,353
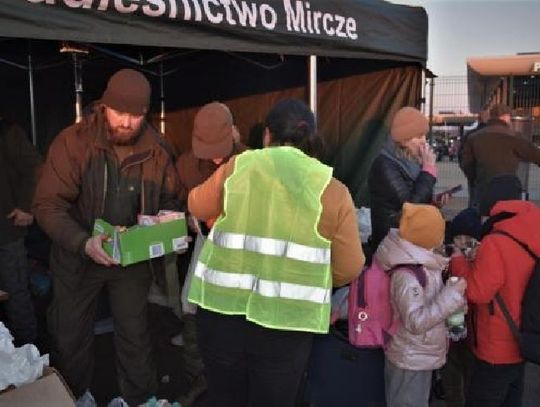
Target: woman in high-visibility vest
286,232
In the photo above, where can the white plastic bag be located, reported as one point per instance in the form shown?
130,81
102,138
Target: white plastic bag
188,307
363,215
19,365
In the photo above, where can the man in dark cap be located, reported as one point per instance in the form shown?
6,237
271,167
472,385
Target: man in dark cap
495,150
108,166
213,143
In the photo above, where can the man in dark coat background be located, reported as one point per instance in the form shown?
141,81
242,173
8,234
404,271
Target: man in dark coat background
495,150
19,163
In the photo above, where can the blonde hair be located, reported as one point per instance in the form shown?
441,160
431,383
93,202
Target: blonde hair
405,153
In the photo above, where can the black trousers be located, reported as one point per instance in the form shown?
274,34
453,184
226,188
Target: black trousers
249,365
71,319
495,385
21,319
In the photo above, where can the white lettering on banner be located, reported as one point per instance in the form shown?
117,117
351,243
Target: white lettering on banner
103,5
187,9
266,288
302,19
316,17
228,12
154,8
174,9
197,7
246,13
536,67
308,18
329,30
351,28
213,18
79,3
299,15
294,21
340,29
121,8
265,11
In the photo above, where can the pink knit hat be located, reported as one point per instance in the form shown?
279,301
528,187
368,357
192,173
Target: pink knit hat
408,123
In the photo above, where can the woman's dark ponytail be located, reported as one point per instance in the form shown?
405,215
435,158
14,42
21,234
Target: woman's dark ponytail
291,122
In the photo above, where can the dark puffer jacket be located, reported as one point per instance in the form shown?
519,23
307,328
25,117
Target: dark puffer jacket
389,187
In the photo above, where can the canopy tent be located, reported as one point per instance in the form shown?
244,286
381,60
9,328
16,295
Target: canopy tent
246,53
490,79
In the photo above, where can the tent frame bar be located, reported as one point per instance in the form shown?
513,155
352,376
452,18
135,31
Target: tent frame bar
313,83
31,94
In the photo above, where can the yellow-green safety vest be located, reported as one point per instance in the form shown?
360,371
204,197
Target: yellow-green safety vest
264,258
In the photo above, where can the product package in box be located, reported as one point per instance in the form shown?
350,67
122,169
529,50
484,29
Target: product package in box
143,242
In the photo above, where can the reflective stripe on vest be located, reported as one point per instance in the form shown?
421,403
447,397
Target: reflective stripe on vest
269,246
262,287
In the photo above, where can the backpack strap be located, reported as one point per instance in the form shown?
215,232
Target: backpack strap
509,320
519,242
416,269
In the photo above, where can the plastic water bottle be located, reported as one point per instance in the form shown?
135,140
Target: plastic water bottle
457,329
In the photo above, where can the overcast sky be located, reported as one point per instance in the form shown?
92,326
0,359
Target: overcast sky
459,29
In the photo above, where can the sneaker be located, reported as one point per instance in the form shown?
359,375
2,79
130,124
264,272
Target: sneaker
86,400
177,340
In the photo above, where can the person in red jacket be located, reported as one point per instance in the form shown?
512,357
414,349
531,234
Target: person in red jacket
501,266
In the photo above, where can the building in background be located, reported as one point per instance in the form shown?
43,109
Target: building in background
451,114
515,81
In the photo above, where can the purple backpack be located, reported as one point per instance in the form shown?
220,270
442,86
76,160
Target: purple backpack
370,315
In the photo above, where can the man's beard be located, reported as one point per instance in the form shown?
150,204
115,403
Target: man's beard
122,136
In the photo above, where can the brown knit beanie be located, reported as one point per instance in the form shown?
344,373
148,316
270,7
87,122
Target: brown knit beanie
408,123
422,225
212,132
128,91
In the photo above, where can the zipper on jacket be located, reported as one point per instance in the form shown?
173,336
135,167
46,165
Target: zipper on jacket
105,180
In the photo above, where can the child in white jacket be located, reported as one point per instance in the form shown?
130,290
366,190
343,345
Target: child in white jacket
421,302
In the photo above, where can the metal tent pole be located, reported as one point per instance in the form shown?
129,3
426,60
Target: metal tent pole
431,92
31,92
77,70
162,100
313,83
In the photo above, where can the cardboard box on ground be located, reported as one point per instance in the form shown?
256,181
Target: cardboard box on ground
155,237
49,390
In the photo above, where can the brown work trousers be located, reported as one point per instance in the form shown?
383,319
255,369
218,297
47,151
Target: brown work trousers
71,319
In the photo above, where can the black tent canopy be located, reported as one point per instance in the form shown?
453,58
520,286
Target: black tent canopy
372,29
370,56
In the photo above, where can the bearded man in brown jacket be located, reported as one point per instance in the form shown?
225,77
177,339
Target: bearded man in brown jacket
109,166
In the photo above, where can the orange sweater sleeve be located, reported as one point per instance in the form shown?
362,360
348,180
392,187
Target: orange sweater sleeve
205,201
338,223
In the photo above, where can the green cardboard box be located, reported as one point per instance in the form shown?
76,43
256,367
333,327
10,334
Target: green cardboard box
139,243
